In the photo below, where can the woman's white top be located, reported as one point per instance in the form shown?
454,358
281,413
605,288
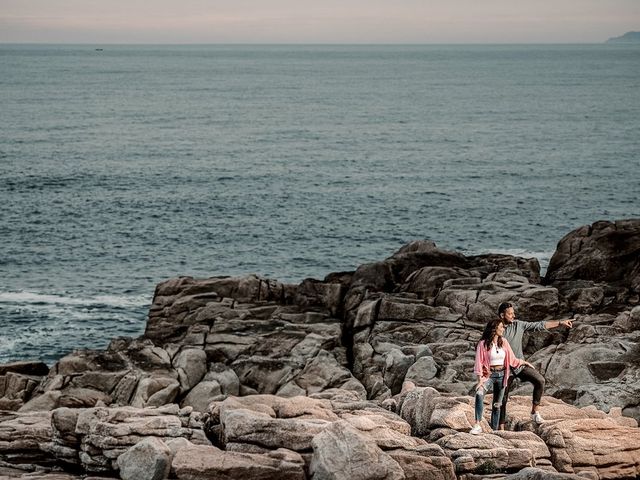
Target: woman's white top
496,355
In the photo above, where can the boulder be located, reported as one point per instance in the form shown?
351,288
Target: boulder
245,426
43,403
341,452
83,397
426,462
177,302
107,433
422,370
579,446
191,365
533,473
32,368
225,377
582,440
326,294
206,462
18,386
21,438
321,373
602,252
155,392
202,395
149,459
428,281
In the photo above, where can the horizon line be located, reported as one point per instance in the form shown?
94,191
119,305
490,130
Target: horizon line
312,43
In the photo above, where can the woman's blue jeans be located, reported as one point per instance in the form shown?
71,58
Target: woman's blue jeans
494,381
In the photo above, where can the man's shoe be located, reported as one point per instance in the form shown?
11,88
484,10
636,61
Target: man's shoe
537,418
477,429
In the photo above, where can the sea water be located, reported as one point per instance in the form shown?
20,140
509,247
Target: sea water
123,166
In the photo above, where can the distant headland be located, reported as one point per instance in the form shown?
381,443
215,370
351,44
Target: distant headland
629,37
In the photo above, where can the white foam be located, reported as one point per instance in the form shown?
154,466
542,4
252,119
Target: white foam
45,325
34,298
7,344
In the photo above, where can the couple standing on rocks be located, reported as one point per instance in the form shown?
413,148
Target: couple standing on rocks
499,359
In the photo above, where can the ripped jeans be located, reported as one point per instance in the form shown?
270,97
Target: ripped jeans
495,381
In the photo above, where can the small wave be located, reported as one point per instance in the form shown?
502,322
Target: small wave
34,298
7,344
47,326
435,192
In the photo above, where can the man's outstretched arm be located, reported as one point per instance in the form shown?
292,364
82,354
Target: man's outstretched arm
541,326
556,323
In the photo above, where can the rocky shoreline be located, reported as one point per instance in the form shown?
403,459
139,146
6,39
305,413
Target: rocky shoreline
361,375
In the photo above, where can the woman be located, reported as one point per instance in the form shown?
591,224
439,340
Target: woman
493,359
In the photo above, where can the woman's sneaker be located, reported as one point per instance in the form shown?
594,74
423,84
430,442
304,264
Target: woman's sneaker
477,429
537,418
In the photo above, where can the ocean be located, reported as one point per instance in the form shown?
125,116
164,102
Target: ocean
123,166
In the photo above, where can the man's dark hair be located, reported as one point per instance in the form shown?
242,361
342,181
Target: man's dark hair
503,307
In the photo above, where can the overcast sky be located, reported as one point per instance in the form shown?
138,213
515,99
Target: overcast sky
320,21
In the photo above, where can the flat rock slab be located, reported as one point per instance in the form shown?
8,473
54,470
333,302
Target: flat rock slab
205,463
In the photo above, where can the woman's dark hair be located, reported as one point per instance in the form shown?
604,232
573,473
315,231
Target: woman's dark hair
503,307
490,332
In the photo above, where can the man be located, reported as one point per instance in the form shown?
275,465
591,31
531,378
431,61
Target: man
513,334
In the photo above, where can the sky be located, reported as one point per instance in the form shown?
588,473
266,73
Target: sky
324,21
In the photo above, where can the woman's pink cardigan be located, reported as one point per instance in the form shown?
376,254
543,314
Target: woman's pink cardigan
482,365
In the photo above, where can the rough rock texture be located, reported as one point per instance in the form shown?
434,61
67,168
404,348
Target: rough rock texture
205,463
94,438
335,437
571,440
599,261
586,440
598,364
149,459
415,316
21,435
263,436
18,380
532,473
278,376
342,453
447,419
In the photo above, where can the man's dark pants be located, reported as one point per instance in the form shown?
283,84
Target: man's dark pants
527,374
